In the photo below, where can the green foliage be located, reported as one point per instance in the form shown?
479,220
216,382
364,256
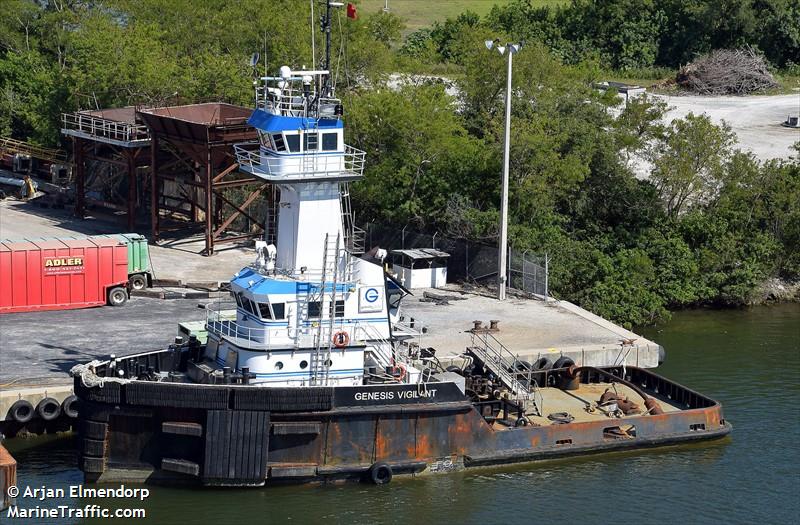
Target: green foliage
631,34
707,226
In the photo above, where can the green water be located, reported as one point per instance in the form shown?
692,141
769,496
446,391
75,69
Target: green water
749,360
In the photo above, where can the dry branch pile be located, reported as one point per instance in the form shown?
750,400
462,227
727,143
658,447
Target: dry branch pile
726,72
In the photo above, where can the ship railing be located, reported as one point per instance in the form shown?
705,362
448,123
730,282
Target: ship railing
221,320
349,164
506,365
104,128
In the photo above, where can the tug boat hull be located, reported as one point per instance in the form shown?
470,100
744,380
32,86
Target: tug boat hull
244,435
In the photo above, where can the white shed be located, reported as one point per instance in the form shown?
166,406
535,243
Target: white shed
421,267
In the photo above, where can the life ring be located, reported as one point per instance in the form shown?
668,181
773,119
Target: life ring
340,339
403,371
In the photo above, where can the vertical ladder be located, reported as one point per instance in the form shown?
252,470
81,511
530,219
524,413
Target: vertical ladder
332,313
320,357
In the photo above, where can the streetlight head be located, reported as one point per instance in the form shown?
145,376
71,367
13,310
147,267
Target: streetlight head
513,48
489,44
501,49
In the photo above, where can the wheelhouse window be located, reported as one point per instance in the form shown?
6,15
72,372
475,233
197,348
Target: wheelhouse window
314,309
293,143
266,313
310,141
330,141
275,311
338,311
237,299
279,309
278,142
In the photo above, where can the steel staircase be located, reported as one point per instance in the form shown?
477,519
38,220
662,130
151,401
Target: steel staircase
508,368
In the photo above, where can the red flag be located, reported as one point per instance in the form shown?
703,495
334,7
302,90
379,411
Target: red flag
351,11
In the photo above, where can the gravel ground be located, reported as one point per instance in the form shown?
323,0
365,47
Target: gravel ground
756,120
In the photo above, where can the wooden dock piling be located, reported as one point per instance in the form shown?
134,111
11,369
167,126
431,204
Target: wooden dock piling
8,476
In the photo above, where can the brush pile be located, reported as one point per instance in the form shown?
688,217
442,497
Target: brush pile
727,72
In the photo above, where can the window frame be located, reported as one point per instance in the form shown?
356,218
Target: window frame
323,142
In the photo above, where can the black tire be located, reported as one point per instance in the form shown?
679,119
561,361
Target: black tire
543,363
117,296
94,448
563,362
522,422
523,366
380,473
138,281
69,407
21,411
453,368
48,409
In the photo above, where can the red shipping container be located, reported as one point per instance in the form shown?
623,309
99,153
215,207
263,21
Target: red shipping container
58,274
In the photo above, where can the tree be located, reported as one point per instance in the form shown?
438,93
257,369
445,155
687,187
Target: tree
689,165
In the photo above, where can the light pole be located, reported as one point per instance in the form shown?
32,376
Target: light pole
502,246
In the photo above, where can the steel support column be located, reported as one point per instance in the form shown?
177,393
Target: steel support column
154,197
80,178
209,183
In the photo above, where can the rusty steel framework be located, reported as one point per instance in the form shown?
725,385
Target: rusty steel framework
187,178
110,166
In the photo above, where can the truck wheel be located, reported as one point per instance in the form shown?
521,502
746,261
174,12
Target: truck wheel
117,296
138,282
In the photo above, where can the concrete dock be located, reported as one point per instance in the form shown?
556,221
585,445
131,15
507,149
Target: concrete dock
37,349
529,328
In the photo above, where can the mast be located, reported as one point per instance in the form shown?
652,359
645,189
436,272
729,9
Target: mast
326,28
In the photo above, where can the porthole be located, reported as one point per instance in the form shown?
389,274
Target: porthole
328,363
279,365
303,364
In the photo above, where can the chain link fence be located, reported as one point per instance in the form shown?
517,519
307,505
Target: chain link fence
469,261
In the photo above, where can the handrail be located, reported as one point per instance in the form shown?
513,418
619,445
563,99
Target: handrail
39,152
102,127
350,163
503,363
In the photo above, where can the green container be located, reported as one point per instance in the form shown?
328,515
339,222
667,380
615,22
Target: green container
138,254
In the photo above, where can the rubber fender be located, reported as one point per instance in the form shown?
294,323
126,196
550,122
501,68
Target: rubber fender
563,362
380,473
93,465
48,409
523,366
543,363
94,447
21,411
453,368
69,407
93,430
522,422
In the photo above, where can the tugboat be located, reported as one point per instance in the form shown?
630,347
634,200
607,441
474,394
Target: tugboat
308,374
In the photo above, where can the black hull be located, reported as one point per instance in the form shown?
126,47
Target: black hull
240,435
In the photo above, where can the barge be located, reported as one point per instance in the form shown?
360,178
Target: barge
309,373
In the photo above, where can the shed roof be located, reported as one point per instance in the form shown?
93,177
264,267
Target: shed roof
422,253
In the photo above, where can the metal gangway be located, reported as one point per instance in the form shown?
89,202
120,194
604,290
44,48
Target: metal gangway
516,375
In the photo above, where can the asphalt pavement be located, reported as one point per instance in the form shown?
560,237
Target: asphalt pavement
41,347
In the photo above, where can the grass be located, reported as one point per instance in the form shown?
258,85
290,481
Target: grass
423,13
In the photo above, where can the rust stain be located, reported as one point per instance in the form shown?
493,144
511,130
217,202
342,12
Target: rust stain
423,446
381,446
